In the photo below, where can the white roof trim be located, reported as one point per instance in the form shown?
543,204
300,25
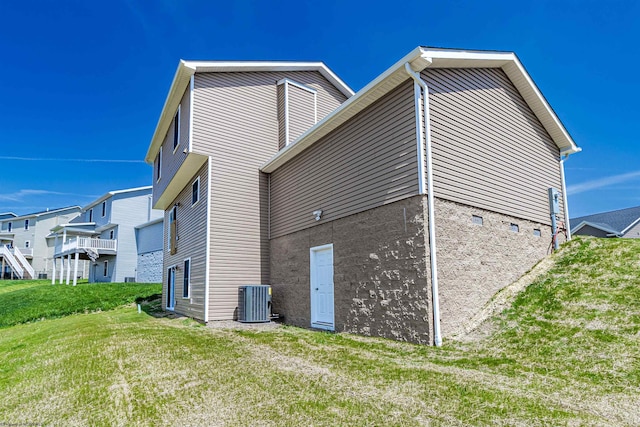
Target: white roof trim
186,69
599,227
630,226
419,59
115,192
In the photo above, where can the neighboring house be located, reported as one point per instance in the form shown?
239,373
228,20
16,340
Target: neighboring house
104,237
149,240
27,236
620,223
276,173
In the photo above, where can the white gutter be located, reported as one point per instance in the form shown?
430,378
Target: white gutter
564,155
426,125
567,224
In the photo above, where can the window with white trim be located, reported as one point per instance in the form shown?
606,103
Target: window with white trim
195,191
186,283
176,129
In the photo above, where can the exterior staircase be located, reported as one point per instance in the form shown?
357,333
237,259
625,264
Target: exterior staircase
28,269
6,254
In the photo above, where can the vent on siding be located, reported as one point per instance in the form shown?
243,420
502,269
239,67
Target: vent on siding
129,280
254,303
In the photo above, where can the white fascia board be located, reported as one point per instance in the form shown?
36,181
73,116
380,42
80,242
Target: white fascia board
244,66
419,59
180,81
633,224
363,98
186,69
113,193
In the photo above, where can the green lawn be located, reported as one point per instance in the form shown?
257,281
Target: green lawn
30,300
566,353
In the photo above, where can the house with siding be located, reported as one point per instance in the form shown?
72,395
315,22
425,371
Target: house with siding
103,238
397,211
25,248
618,223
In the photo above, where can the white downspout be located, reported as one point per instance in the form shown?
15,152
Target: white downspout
567,225
437,338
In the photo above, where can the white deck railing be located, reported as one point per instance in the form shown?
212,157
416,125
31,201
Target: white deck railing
75,243
5,253
23,262
26,251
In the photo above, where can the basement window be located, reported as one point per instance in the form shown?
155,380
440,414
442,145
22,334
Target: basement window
476,219
536,232
515,228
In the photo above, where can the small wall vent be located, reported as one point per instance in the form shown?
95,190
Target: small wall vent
254,304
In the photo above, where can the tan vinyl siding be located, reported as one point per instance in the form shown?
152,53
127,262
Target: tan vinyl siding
368,162
489,149
301,111
191,243
171,161
236,123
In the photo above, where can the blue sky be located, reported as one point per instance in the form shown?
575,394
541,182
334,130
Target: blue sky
82,83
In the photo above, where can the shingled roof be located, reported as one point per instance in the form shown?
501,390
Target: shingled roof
612,222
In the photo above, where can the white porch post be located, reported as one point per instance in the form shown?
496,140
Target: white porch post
53,275
61,269
75,269
68,268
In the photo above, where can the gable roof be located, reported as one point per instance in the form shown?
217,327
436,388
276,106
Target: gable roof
186,69
618,221
419,59
45,212
115,192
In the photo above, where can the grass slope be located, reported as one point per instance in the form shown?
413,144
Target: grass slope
566,353
29,300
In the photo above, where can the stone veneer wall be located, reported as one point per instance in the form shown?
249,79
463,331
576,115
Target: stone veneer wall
476,261
380,287
382,278
149,267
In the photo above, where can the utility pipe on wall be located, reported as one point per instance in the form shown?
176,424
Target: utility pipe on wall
426,126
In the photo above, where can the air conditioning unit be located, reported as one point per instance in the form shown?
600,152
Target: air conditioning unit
254,303
129,280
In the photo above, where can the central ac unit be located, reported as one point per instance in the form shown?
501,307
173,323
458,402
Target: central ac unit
254,303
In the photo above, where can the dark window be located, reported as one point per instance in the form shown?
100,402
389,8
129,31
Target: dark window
159,165
195,191
187,277
176,129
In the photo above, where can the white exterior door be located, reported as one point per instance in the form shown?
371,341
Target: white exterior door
322,287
